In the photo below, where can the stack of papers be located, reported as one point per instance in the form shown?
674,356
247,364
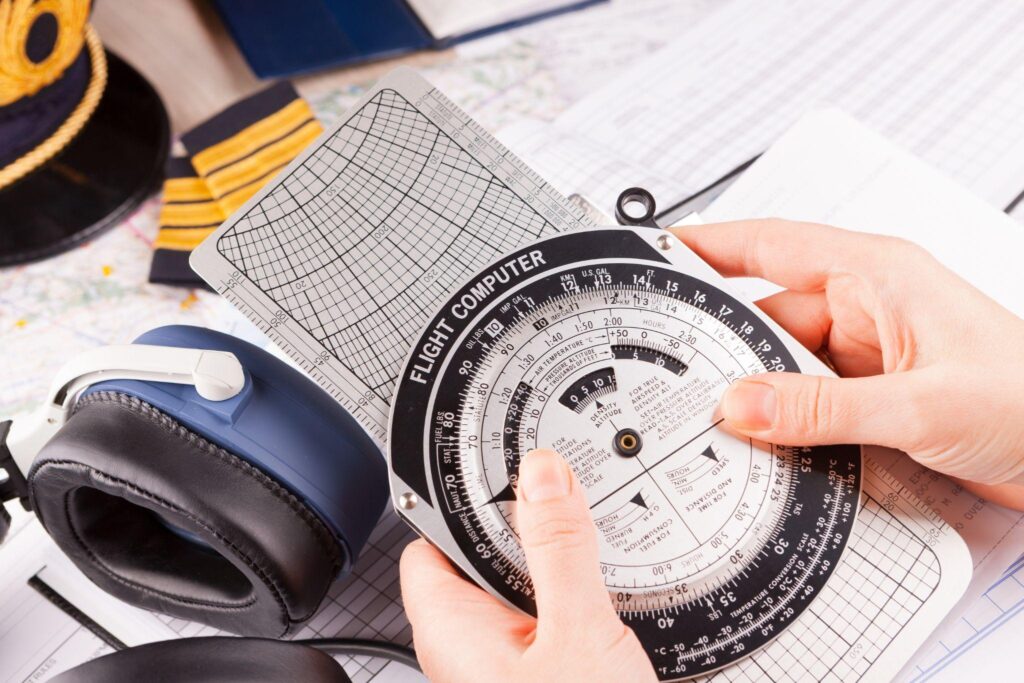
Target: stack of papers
944,82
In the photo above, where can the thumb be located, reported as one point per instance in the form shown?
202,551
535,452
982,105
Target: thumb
560,542
807,410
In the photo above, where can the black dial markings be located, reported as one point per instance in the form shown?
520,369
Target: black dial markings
696,644
589,388
648,355
511,439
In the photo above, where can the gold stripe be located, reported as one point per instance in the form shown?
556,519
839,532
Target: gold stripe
255,136
67,131
185,215
181,239
255,166
232,201
186,190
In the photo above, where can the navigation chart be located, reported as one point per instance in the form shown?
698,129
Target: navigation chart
349,251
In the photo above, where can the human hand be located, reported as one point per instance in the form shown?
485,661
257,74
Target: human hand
462,633
931,365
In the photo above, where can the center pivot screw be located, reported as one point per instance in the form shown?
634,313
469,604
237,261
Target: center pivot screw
627,442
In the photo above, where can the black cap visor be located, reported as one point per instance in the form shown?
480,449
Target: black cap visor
105,172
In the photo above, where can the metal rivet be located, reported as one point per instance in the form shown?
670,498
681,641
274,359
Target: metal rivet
664,242
407,501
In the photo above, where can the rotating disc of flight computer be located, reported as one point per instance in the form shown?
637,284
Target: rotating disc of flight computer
613,347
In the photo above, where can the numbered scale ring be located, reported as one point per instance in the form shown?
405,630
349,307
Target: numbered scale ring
613,347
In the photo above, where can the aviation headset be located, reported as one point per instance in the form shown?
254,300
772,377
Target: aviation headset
194,474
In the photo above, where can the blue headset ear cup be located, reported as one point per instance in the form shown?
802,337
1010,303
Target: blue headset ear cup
285,425
165,520
211,660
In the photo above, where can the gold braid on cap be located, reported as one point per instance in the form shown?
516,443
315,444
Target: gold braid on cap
21,77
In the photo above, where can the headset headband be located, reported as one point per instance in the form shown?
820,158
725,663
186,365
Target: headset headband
216,375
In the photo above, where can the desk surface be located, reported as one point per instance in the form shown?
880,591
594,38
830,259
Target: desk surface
98,294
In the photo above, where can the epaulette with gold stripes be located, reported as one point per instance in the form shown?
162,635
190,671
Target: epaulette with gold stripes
229,158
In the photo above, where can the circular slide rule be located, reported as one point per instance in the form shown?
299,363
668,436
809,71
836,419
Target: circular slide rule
613,347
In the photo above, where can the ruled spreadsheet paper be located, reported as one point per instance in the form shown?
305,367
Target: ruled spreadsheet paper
943,80
365,603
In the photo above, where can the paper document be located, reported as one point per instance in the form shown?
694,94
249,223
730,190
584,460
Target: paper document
984,643
830,169
580,51
38,641
995,536
447,18
944,81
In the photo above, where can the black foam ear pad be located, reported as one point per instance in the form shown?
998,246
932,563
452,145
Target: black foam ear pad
211,660
164,519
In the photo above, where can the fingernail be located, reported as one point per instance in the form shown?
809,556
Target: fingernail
749,405
543,475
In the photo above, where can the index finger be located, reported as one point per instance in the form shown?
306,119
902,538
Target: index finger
798,256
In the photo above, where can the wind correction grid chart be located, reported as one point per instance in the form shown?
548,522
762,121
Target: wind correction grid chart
342,258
